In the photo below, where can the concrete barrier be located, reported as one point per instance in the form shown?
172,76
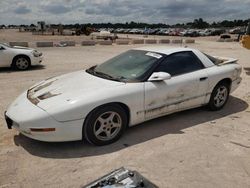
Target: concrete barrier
88,43
229,40
177,41
164,41
44,44
137,41
23,44
68,43
221,40
105,42
188,41
122,42
150,41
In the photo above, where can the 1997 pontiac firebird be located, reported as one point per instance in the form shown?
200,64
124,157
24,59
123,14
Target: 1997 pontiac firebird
98,104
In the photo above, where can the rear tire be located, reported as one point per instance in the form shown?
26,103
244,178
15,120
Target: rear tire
219,96
21,63
105,125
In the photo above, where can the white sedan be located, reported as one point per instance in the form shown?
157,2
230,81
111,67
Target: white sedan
20,58
98,104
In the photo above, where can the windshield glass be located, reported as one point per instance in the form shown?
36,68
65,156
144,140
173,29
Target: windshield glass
129,65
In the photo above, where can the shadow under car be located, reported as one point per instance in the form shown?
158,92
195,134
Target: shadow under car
170,124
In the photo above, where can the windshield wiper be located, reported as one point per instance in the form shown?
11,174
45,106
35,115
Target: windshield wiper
105,75
92,70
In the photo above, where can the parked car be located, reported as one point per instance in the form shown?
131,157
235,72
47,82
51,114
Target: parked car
237,30
99,103
225,36
215,32
162,32
191,33
106,35
206,32
20,58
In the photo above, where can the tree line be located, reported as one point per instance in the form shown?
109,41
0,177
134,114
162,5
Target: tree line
197,23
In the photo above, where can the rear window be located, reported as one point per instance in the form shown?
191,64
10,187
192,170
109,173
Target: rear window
213,59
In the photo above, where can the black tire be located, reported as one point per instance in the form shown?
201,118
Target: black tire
105,125
21,63
218,99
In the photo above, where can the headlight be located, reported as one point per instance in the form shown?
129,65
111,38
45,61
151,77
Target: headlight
36,53
35,101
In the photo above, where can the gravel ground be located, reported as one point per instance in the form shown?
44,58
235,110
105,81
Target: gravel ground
194,148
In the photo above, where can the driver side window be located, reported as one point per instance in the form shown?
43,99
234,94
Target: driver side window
180,63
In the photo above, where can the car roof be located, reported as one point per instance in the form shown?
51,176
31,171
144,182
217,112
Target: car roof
164,49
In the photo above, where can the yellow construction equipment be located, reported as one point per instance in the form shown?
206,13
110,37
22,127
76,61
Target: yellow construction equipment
245,40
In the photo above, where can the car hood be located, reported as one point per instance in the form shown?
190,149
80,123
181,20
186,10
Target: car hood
67,88
22,48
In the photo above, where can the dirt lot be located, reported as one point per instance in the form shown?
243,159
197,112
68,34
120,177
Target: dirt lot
195,148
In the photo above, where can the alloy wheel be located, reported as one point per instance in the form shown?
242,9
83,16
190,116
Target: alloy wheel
107,125
221,96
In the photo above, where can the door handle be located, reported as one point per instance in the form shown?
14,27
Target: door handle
203,78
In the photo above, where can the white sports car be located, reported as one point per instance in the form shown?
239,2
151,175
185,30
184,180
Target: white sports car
18,57
98,104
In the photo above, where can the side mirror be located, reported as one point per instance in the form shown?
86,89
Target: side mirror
159,76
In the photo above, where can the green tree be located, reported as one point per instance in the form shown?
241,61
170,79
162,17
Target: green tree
200,24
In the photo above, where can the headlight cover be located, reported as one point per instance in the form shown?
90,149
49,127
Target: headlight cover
36,53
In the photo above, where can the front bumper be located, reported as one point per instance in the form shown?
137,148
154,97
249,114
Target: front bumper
9,121
27,118
36,60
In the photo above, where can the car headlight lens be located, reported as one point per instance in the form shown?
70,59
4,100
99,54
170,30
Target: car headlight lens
36,53
33,100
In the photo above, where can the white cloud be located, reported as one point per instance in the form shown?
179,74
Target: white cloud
84,11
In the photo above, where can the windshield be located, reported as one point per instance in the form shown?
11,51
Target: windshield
128,66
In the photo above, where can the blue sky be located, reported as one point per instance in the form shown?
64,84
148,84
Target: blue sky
97,11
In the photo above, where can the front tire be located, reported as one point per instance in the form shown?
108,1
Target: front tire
21,63
105,125
219,96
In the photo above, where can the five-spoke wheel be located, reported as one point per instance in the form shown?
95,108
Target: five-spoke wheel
105,124
219,96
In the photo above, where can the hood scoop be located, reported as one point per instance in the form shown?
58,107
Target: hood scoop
68,86
32,93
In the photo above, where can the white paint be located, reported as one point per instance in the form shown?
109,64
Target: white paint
158,56
80,93
7,54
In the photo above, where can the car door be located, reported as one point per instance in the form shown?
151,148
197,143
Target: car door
185,89
5,57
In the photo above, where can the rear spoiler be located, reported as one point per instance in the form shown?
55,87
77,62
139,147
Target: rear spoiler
225,60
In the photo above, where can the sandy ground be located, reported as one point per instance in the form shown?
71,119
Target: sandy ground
194,148
13,35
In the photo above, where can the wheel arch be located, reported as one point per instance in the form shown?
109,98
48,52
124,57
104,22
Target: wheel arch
227,81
